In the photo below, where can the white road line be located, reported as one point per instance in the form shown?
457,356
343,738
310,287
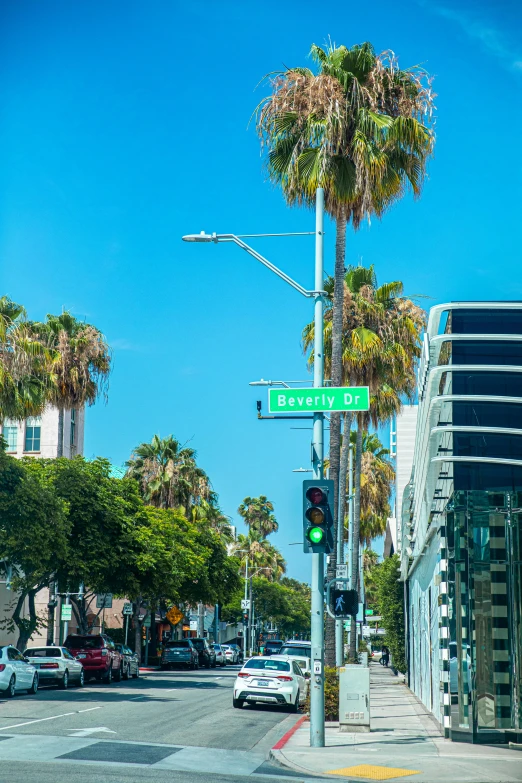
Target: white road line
53,717
38,720
136,698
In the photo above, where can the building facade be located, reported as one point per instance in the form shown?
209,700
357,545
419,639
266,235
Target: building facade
461,537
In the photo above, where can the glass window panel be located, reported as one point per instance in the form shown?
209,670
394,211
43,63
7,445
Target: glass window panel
487,445
487,414
486,352
486,321
10,434
508,384
32,439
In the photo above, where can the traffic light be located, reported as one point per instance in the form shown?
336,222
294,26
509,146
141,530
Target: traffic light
317,516
344,603
245,618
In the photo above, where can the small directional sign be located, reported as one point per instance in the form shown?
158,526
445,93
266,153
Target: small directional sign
245,604
66,613
127,608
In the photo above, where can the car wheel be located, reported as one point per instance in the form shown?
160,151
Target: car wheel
237,703
81,681
108,677
295,707
213,665
126,672
11,688
34,685
119,674
64,684
223,664
137,672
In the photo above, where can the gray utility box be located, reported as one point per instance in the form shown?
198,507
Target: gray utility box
354,698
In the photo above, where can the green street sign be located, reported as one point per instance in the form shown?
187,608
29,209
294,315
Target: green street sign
368,612
347,398
66,613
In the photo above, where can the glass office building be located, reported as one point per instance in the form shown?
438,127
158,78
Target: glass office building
461,548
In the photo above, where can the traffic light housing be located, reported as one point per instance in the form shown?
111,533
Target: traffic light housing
344,603
245,618
317,516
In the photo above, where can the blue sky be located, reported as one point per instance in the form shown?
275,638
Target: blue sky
124,126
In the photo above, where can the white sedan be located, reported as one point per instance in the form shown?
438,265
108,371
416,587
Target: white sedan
16,673
56,666
231,655
270,681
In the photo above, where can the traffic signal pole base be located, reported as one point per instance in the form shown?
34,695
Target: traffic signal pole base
317,673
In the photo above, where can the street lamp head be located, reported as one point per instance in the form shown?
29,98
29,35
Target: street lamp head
202,237
262,382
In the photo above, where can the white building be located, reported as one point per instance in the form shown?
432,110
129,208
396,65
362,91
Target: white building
39,436
402,447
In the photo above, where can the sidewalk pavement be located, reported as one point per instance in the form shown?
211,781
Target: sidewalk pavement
405,740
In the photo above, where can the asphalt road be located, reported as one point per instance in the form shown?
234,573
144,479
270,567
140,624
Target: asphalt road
176,726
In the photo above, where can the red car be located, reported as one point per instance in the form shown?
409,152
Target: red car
98,655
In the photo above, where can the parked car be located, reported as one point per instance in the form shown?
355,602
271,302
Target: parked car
98,654
56,666
220,655
16,672
302,661
207,656
231,655
296,647
239,650
270,681
273,646
179,652
131,664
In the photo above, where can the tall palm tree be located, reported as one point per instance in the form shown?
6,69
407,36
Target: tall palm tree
80,363
377,478
359,127
381,341
168,474
261,555
259,516
24,370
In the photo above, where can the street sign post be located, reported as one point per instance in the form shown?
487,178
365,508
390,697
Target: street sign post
127,609
327,400
104,601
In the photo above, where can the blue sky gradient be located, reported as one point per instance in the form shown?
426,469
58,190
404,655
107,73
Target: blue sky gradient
124,126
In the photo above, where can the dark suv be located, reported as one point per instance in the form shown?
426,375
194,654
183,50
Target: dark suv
179,652
206,653
98,655
273,646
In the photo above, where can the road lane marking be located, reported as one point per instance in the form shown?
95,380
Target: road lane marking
53,717
94,730
38,720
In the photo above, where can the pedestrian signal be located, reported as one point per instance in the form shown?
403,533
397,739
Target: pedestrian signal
344,603
317,516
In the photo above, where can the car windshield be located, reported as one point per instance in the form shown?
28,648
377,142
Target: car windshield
43,652
217,647
268,664
291,650
178,643
84,642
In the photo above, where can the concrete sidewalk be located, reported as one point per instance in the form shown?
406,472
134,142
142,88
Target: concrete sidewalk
405,740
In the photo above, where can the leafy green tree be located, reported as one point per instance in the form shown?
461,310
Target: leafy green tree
34,536
262,556
390,603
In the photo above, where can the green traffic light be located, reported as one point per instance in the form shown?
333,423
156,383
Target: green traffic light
316,535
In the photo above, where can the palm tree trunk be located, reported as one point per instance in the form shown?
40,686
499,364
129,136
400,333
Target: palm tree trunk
61,416
356,526
343,469
335,420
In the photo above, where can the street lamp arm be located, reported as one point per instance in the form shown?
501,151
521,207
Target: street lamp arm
267,263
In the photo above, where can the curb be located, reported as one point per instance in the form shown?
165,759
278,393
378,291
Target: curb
279,758
284,739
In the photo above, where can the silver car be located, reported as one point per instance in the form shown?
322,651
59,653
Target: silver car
220,655
56,666
231,655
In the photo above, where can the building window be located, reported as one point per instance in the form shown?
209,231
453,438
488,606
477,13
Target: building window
73,427
32,434
10,433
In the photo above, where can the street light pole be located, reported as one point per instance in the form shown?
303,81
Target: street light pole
317,624
245,627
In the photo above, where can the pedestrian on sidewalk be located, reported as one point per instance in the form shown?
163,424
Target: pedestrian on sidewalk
385,656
